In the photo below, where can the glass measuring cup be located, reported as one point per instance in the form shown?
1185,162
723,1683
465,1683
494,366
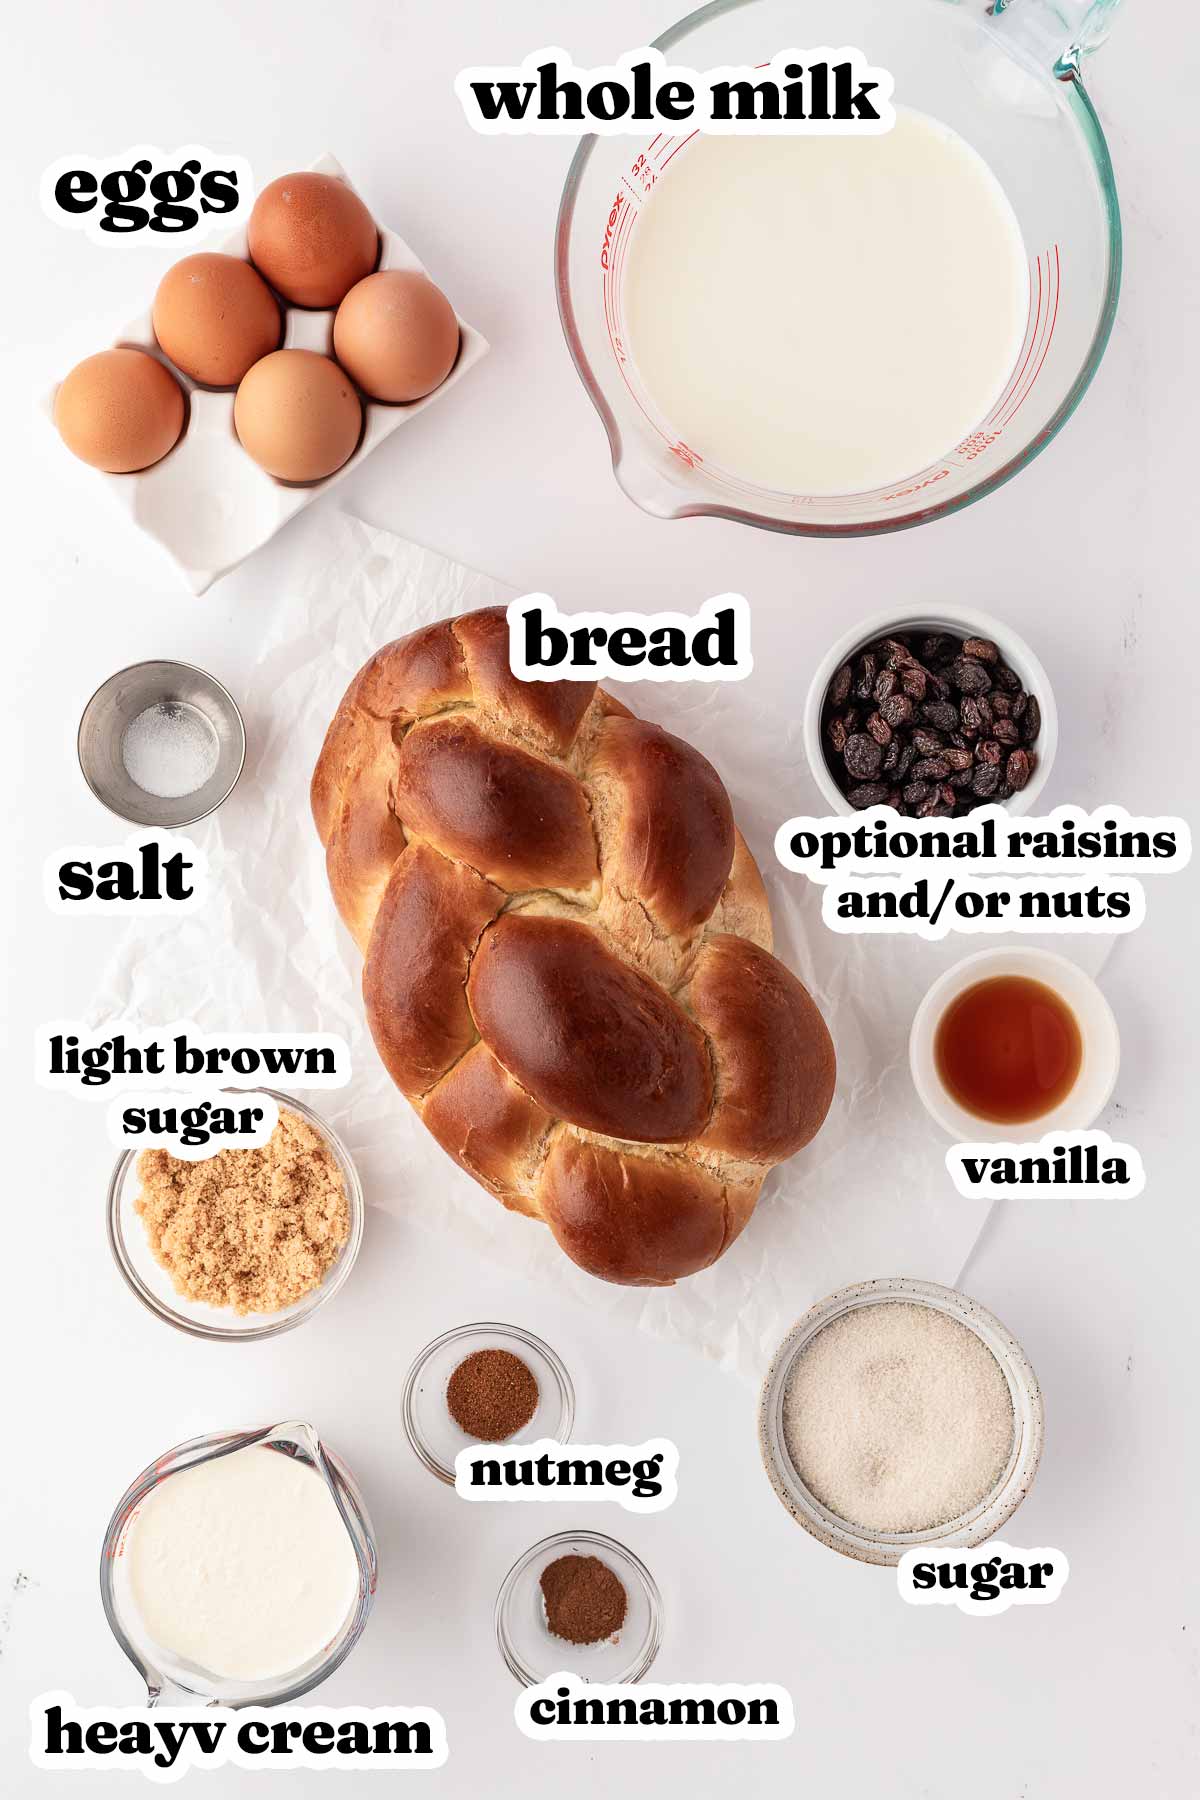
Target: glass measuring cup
1007,78
173,1681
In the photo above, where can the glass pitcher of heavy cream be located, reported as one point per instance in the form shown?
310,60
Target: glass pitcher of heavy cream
239,1568
836,335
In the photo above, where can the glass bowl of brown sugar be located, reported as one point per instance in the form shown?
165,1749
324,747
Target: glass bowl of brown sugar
179,1230
484,1383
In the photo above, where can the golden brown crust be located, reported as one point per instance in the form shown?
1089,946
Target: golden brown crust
595,1042
670,830
774,1056
639,1220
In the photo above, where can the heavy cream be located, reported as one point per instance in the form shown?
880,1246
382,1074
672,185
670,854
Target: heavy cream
242,1565
826,315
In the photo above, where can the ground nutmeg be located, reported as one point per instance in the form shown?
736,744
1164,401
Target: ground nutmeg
491,1395
585,1602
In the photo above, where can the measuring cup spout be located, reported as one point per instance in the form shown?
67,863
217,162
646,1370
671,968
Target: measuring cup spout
162,1692
1042,25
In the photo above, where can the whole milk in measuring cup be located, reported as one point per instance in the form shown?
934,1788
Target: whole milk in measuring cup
826,315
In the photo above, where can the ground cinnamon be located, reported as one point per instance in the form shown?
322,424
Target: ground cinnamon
584,1600
491,1395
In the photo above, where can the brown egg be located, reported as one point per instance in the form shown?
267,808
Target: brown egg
297,415
215,316
397,335
119,410
312,237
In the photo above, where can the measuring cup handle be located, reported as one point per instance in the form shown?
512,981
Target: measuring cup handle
1040,24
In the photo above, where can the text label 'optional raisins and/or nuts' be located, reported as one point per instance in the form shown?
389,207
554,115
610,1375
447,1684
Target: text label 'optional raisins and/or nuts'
1067,871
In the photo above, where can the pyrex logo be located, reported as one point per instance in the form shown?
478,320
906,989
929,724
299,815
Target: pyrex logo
613,216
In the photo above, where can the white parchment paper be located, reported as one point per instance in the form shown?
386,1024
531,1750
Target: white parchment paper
870,1197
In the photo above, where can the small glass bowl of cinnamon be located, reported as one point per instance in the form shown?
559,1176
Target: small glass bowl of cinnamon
532,1650
487,1377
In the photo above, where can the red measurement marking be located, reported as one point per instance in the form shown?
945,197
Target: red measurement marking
689,457
1031,337
679,146
1026,339
1053,320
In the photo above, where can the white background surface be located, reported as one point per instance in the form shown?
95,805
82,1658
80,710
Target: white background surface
1091,553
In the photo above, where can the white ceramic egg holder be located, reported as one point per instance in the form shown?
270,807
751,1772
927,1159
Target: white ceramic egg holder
207,503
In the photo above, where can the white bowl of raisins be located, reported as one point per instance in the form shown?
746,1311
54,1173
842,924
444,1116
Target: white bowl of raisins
932,714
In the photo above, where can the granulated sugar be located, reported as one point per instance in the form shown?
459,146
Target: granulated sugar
897,1417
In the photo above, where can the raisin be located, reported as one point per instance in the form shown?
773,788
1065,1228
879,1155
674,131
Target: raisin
836,733
930,768
885,684
916,791
1031,724
895,655
881,731
863,756
870,793
962,777
985,781
988,752
982,649
1007,678
969,714
897,709
868,668
914,681
969,676
928,742
937,644
1017,771
891,757
907,758
1006,732
839,687
940,714
1001,706
1019,703
958,760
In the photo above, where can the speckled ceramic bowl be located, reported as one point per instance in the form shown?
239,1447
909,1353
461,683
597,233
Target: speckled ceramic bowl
970,1528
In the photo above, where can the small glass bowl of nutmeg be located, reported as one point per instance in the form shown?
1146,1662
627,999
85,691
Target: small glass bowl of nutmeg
484,1383
178,1229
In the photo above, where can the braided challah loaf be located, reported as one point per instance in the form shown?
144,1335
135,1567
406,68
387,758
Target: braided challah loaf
568,951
